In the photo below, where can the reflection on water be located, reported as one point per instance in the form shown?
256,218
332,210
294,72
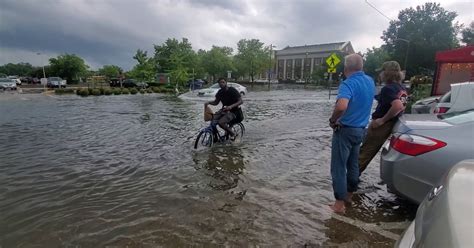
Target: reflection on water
223,164
122,171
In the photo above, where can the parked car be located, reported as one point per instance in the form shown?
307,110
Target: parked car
460,98
423,148
131,83
212,91
56,82
425,105
196,84
445,217
7,84
16,79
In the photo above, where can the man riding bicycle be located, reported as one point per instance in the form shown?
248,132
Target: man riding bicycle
230,112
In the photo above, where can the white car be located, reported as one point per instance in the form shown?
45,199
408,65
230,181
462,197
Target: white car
212,91
15,79
460,98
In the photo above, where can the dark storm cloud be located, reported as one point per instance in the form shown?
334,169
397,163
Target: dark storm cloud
110,31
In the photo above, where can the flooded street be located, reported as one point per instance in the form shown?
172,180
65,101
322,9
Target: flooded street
121,171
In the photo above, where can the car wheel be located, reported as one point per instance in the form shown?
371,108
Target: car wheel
242,93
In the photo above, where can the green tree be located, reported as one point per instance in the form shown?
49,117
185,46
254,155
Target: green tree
68,66
218,61
110,71
374,59
20,69
164,53
420,33
144,70
252,57
468,34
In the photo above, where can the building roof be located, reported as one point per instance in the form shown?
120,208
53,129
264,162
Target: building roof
328,47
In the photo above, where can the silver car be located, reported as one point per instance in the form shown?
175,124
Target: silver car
7,84
422,149
445,217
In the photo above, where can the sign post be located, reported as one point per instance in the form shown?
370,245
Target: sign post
332,61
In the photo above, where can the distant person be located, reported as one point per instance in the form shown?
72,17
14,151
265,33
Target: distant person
231,101
349,119
391,104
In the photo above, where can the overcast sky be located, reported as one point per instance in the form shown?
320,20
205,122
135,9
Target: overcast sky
110,31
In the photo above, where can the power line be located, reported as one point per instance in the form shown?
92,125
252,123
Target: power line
367,2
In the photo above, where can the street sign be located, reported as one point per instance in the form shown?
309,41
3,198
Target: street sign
332,70
333,61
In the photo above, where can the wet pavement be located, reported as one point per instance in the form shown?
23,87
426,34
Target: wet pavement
122,171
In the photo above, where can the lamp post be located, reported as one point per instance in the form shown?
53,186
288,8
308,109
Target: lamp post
270,65
406,53
306,71
44,73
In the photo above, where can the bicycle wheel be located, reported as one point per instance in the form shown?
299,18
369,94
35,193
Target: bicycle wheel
204,139
238,129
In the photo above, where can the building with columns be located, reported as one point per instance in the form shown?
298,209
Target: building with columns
297,63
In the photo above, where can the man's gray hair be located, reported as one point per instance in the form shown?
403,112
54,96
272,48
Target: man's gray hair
353,62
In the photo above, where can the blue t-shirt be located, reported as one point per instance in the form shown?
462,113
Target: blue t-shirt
359,89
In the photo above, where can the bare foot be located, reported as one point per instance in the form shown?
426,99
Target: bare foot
338,207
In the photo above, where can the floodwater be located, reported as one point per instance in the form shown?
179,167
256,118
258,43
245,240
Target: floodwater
121,171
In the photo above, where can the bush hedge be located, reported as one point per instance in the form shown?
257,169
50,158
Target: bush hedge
133,91
64,91
125,91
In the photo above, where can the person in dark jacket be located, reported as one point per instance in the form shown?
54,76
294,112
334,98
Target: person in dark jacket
391,104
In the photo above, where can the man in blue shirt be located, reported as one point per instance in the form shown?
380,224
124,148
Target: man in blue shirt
349,119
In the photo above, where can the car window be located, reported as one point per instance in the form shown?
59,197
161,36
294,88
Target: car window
458,117
446,97
214,86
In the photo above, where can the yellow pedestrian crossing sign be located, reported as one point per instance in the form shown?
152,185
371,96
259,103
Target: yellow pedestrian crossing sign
332,70
332,61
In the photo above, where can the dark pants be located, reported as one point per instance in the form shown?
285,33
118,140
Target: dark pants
373,141
344,160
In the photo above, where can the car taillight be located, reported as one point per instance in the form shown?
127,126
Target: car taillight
441,110
415,145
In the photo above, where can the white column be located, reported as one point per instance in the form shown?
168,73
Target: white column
284,69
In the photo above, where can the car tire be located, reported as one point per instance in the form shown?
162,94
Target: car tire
242,93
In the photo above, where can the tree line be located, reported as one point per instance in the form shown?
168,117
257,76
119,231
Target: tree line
412,40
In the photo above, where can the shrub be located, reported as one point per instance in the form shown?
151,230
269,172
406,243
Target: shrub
108,92
142,91
64,91
133,91
102,91
95,92
418,92
156,89
83,92
154,84
117,91
125,91
149,90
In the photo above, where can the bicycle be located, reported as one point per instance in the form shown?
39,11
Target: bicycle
212,134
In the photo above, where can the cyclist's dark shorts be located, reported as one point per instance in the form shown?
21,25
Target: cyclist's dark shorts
224,116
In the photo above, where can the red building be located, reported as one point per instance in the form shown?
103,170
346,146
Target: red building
453,66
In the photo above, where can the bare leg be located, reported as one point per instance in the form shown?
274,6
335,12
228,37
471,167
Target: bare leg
226,128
